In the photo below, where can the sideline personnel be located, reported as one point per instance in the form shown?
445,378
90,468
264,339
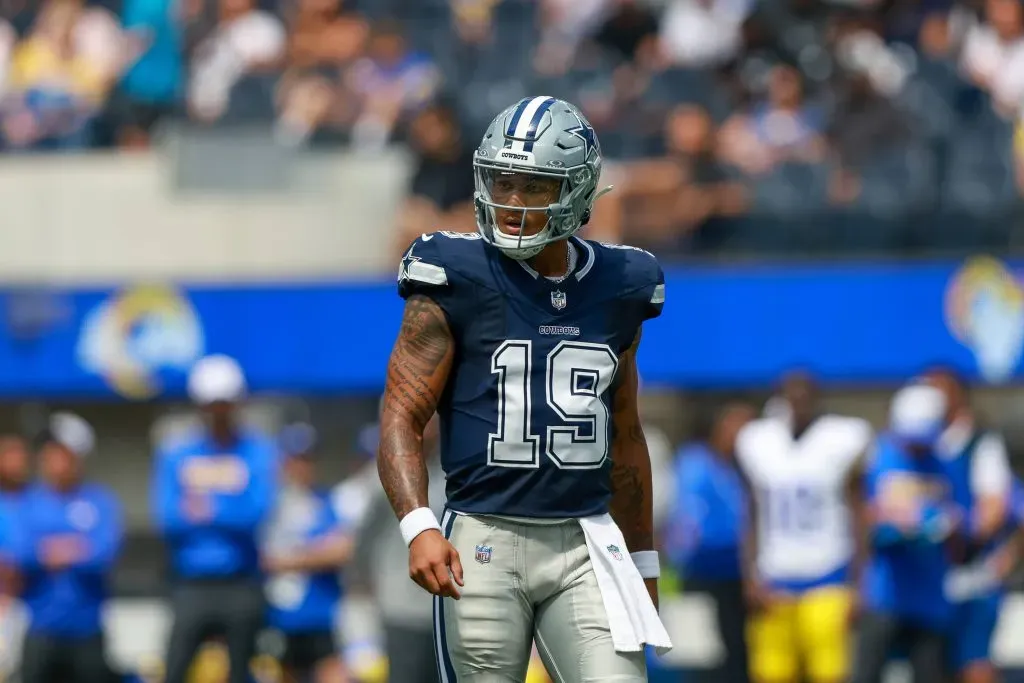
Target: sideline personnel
68,534
212,489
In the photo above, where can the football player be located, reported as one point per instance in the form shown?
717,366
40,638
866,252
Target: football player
807,540
524,339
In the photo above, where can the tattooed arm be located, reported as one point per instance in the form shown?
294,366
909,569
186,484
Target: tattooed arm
632,505
417,374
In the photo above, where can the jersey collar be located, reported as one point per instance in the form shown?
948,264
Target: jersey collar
584,260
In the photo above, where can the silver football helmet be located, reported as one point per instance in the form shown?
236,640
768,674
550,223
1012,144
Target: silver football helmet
540,138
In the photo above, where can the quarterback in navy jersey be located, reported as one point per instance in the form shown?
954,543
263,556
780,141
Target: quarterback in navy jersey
523,339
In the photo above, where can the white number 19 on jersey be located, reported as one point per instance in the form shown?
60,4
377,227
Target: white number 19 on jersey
577,375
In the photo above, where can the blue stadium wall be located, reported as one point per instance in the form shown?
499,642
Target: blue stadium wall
734,326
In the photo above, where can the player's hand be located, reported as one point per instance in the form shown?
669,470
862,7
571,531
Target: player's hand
652,589
435,565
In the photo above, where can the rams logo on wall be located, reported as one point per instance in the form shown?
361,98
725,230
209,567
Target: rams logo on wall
138,336
985,313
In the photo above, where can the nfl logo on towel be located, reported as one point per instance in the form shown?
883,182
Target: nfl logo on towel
483,554
615,552
558,299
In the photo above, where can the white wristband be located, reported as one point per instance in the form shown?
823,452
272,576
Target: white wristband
416,522
647,563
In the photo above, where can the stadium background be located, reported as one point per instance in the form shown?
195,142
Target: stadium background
830,184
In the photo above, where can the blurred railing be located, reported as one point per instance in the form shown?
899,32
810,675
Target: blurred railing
205,211
229,207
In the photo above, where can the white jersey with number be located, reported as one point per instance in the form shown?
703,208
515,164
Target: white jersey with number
804,530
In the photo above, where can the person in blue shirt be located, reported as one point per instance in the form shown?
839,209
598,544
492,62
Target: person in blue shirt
152,88
905,607
704,533
978,468
213,488
305,548
67,539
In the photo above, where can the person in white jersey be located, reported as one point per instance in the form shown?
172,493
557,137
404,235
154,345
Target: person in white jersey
803,550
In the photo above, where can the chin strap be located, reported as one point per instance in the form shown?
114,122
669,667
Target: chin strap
603,192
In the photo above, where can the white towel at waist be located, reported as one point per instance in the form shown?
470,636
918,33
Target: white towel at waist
632,616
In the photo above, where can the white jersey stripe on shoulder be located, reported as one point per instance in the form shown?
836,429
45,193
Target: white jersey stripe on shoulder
523,127
659,294
427,273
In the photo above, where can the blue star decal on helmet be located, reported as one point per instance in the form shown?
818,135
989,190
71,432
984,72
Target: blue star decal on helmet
585,133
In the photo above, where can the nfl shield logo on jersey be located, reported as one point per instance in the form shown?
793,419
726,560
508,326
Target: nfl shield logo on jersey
558,299
483,554
615,552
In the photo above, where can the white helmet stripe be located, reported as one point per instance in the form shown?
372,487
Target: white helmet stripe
537,136
534,110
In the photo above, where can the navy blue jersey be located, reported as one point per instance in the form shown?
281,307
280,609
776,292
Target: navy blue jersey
526,417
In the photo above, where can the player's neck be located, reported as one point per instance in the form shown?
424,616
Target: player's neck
553,260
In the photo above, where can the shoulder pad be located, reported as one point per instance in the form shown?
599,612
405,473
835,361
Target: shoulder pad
638,263
625,247
429,260
642,276
423,264
453,235
445,267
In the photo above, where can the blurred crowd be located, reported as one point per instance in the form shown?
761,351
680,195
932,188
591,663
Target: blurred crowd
804,125
799,125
